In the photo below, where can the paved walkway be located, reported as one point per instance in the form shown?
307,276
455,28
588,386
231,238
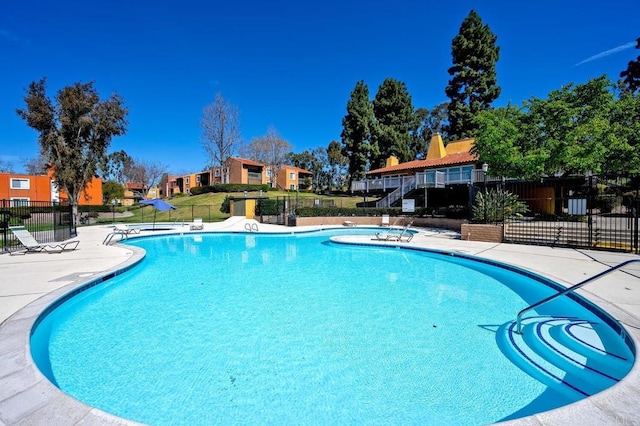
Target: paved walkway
29,283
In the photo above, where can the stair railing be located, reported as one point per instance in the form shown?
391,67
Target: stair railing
408,184
567,290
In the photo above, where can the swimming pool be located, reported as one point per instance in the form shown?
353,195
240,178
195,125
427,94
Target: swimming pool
412,339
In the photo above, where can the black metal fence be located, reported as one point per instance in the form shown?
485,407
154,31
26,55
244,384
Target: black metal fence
48,222
596,212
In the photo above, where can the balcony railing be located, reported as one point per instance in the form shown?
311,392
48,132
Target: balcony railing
426,179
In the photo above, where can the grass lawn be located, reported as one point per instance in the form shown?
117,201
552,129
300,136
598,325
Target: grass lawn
207,206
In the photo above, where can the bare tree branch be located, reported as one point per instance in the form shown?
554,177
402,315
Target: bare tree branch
270,150
220,130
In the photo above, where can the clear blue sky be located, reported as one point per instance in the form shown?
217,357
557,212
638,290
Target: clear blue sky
287,64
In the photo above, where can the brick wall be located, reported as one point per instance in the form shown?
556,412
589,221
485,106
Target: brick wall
481,232
428,222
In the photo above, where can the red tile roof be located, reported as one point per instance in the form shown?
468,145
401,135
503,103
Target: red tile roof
248,162
133,185
298,169
449,160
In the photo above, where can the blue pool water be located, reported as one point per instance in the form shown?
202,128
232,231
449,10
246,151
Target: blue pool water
294,329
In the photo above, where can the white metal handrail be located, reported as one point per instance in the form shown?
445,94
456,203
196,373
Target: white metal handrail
407,184
251,227
567,290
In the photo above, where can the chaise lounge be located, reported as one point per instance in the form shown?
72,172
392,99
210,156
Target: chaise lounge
121,228
403,235
33,246
197,224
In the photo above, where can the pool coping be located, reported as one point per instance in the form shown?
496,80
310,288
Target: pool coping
27,396
35,399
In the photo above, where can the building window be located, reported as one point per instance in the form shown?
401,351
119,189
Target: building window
292,187
466,173
19,202
198,179
186,181
19,183
217,173
292,176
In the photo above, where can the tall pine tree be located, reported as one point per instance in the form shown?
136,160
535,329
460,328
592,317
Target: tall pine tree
473,85
356,131
632,74
395,123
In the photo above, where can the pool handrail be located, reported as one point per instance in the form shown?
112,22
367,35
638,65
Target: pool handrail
568,290
251,227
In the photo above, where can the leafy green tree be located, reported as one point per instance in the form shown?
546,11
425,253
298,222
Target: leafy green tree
356,131
314,161
112,190
572,126
623,155
320,169
74,134
473,85
337,165
575,130
395,122
116,166
631,75
500,143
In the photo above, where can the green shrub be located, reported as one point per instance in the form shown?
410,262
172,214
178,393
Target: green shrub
497,205
225,207
104,208
229,187
343,211
269,206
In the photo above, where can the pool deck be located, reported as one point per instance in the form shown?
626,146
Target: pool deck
29,283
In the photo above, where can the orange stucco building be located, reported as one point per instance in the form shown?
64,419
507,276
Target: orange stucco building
237,171
23,189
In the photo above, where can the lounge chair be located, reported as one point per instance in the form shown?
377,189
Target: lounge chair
385,220
403,235
197,224
121,228
33,246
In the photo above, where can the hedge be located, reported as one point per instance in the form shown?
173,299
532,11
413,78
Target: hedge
229,187
344,211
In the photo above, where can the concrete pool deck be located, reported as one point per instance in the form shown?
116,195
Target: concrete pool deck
29,283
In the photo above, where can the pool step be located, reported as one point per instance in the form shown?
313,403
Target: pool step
575,356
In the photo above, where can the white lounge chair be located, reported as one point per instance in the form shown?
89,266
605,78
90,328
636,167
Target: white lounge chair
121,228
385,220
403,235
197,224
33,246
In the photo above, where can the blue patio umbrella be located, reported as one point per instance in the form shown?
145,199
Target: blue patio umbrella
159,204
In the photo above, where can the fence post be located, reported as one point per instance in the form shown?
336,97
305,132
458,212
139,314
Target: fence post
73,226
590,201
5,224
634,222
